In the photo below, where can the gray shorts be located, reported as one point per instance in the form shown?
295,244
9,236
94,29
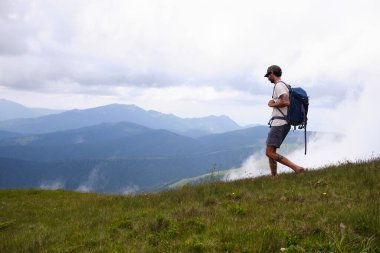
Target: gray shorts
277,135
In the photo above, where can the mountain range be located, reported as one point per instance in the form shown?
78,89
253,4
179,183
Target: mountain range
113,113
103,150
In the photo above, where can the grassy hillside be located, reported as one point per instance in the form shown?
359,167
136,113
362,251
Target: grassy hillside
331,210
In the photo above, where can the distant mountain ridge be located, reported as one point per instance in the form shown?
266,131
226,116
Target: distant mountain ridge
121,140
118,113
10,110
111,140
125,140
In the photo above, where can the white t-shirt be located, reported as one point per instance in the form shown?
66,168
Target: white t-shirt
279,89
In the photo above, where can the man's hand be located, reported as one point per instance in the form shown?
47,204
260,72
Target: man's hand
272,103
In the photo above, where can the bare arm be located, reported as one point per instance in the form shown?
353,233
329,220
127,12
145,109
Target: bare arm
282,101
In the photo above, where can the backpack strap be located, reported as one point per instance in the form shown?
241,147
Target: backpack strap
287,85
273,118
305,140
283,115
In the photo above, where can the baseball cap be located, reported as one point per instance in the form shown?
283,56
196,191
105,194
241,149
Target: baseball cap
273,68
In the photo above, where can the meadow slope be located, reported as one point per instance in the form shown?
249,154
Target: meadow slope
335,209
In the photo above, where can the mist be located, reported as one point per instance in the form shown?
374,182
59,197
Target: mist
52,185
92,182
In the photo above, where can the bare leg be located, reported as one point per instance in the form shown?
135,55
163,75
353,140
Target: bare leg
274,157
273,168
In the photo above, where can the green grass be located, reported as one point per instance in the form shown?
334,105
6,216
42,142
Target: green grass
335,209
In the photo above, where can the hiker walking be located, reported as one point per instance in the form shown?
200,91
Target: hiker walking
279,127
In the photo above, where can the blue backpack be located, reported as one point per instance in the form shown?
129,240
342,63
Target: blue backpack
297,110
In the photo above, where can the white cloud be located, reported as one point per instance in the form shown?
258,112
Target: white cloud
165,43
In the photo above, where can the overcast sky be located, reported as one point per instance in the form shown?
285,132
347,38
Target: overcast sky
191,58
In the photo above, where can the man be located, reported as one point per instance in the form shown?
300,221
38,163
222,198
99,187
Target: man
279,127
